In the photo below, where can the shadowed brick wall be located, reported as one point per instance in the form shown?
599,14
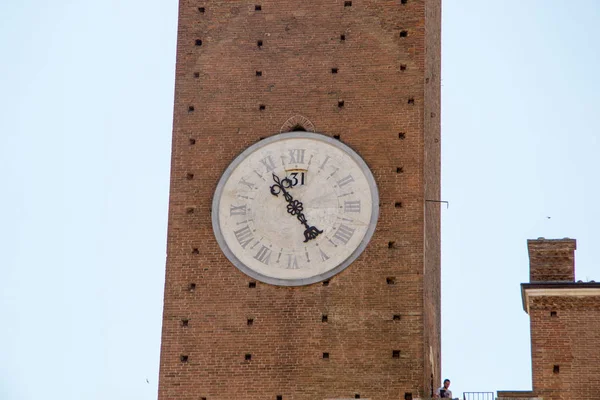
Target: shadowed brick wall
367,72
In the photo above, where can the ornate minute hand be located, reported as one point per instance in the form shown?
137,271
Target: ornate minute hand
294,207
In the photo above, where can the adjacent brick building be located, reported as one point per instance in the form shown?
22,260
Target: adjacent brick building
368,73
565,325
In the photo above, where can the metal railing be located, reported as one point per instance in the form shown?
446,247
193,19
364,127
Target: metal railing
478,396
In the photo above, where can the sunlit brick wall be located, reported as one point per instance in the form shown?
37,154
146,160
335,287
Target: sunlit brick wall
367,72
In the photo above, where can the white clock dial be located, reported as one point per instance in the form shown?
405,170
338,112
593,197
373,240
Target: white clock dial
295,209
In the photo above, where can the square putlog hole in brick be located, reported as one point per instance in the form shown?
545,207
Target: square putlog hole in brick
192,142
258,73
341,104
324,318
390,280
185,322
325,355
251,285
556,369
248,357
325,283
258,7
401,135
183,358
201,10
396,317
279,397
250,322
198,42
395,353
334,70
262,107
342,38
403,34
347,4
196,75
259,43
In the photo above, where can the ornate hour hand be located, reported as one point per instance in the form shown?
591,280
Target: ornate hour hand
294,207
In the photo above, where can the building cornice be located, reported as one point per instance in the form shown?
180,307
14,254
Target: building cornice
557,289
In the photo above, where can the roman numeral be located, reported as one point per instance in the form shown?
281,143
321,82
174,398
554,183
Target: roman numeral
268,163
296,156
345,181
324,162
263,255
237,210
324,257
344,233
243,236
244,182
352,206
292,261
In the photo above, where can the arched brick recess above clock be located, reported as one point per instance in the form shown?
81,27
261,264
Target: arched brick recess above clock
295,122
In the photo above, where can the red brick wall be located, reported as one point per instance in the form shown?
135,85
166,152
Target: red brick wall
570,340
390,87
551,260
516,394
565,325
432,293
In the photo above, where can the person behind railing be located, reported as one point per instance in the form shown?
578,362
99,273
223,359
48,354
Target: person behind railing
443,392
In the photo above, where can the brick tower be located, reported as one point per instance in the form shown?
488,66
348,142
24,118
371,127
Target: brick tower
366,72
565,325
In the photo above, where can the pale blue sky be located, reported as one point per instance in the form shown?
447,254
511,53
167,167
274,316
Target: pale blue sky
86,92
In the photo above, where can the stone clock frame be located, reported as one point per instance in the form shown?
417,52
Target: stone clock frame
315,278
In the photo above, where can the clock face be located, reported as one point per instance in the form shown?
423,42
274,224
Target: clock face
295,209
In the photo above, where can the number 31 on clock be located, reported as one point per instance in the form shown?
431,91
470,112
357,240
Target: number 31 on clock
298,178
